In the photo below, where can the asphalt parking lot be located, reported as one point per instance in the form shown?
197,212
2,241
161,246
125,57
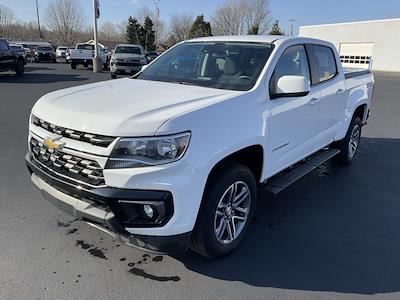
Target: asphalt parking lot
333,235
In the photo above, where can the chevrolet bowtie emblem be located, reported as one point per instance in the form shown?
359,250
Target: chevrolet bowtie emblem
54,142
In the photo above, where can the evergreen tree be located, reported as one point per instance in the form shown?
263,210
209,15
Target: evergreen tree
147,35
132,31
254,29
200,28
275,29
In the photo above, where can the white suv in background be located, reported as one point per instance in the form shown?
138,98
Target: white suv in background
127,59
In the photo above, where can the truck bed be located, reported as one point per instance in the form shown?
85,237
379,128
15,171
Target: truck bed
350,72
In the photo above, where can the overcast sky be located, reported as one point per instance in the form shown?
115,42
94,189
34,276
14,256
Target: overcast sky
306,12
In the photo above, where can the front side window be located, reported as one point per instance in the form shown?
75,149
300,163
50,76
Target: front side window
325,62
222,65
292,62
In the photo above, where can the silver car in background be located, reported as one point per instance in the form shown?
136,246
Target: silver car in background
127,59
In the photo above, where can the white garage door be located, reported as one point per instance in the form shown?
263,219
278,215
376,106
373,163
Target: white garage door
356,55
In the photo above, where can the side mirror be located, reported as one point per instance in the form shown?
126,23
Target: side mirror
291,86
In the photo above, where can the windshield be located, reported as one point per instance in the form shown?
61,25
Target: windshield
44,49
223,65
127,49
62,48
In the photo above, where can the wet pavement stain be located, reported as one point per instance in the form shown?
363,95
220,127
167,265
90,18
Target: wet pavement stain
92,250
97,253
83,244
122,259
157,258
142,273
62,224
71,231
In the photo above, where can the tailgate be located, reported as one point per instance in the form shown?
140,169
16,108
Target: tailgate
82,54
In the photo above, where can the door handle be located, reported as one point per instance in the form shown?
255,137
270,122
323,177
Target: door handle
339,91
313,101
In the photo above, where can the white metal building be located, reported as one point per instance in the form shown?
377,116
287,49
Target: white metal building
357,42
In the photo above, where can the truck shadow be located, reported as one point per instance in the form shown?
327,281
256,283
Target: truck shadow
335,230
42,78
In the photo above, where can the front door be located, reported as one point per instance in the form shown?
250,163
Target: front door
293,121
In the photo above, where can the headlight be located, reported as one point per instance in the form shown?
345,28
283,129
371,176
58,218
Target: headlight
140,152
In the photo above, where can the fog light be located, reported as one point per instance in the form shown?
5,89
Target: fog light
148,210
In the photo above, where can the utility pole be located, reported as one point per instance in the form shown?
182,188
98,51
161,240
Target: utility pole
291,26
38,20
157,20
97,62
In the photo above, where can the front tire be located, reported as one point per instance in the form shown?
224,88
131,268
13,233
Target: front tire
227,209
349,145
20,68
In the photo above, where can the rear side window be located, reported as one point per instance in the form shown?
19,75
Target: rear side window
326,63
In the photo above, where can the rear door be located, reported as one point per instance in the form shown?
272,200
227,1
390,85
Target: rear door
293,121
331,105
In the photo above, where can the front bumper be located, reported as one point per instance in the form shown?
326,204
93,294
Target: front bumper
98,208
117,69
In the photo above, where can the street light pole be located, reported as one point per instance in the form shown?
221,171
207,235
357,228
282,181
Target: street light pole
97,63
291,26
38,20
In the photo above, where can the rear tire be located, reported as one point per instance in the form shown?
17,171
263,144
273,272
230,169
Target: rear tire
349,145
227,209
73,65
113,76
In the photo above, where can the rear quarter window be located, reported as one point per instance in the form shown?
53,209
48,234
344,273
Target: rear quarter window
326,62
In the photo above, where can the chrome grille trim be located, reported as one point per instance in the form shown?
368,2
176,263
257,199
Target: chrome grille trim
81,170
94,139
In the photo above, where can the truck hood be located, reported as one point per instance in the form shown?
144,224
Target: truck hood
124,107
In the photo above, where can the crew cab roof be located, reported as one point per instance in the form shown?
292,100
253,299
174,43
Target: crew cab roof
241,38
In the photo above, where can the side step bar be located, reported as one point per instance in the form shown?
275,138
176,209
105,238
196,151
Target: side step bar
280,182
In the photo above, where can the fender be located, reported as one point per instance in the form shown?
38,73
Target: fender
358,96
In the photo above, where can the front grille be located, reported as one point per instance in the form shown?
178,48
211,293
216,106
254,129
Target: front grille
94,139
128,64
73,167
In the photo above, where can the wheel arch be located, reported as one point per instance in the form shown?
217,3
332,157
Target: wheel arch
250,156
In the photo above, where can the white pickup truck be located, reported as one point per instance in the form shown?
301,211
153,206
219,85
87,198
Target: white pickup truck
83,55
173,157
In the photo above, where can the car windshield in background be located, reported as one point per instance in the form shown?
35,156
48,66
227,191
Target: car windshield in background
133,50
222,65
44,49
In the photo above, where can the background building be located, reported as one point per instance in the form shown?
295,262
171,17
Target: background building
357,42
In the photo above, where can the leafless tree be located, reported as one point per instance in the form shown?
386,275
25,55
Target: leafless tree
109,32
7,19
66,20
239,16
179,26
